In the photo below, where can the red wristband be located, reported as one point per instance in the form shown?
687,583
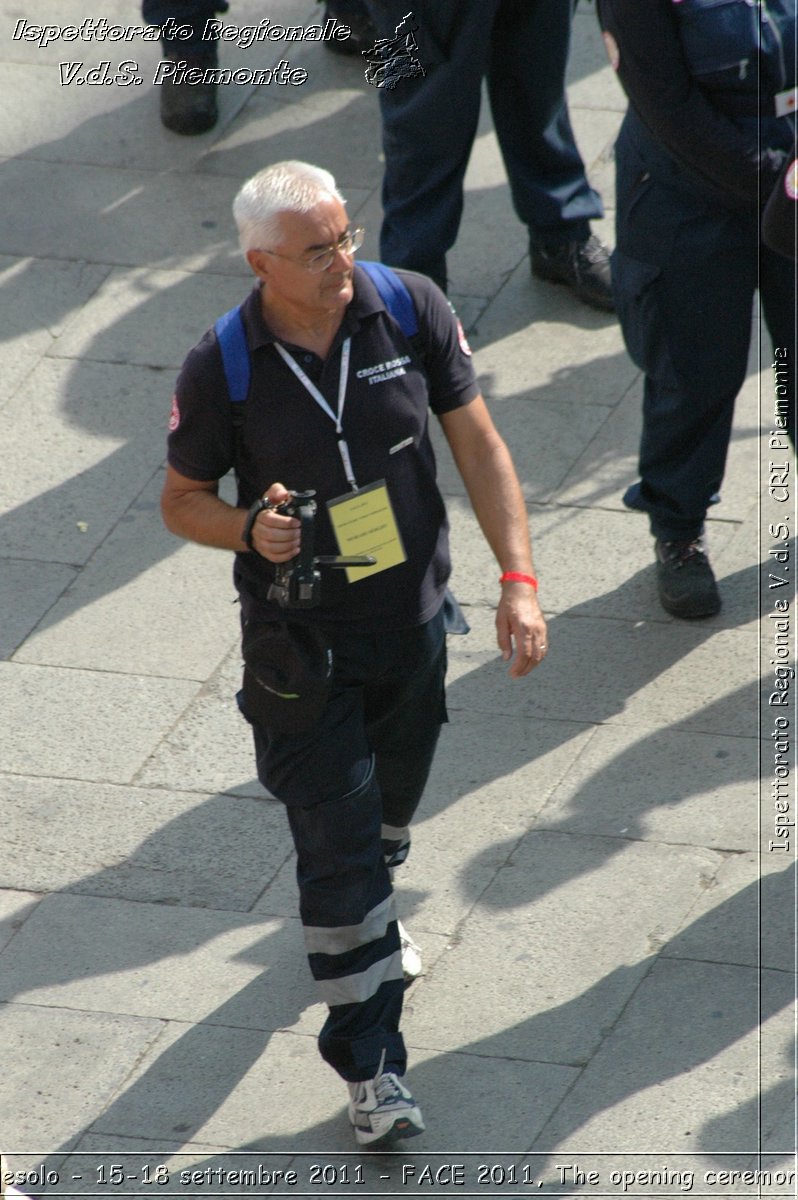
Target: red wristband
518,577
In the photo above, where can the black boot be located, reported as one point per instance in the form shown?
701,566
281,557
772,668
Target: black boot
685,580
584,267
188,107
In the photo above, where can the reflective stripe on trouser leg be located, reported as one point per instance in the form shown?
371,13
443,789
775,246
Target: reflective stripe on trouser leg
348,915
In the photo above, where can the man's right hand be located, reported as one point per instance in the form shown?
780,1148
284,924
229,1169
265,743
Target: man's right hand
274,535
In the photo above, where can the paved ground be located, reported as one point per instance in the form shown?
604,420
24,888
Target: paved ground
609,936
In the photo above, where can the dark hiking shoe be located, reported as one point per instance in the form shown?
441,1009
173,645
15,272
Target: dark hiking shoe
685,580
584,267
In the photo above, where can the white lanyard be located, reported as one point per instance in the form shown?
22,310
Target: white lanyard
310,386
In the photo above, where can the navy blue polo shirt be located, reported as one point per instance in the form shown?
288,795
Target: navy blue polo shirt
286,436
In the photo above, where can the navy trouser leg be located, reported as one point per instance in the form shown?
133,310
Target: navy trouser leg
349,921
191,15
429,124
428,129
351,785
529,49
684,275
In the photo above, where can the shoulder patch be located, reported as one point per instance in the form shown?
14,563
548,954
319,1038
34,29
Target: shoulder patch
461,337
174,416
791,181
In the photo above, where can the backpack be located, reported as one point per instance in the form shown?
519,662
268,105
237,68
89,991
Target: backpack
233,342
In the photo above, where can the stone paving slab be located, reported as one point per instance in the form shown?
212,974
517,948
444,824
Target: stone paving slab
138,844
665,674
518,342
105,620
258,1109
229,1087
688,1045
15,908
148,958
745,917
549,933
152,318
124,128
493,242
778,1136
592,83
59,1068
82,440
547,456
41,584
491,774
39,300
300,124
210,746
657,785
107,214
64,723
609,465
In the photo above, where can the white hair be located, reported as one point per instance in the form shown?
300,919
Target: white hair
285,187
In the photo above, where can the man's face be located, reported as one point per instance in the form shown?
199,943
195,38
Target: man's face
303,235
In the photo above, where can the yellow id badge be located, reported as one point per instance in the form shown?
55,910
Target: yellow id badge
364,523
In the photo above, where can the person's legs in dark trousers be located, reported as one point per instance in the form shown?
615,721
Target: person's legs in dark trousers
379,729
428,129
186,108
694,322
429,124
529,48
685,303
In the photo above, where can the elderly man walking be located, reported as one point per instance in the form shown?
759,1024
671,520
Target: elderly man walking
344,675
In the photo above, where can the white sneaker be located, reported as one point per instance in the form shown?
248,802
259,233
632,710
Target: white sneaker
381,1108
412,966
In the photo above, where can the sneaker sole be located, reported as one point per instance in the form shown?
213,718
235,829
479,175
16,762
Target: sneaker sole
675,611
402,1127
689,609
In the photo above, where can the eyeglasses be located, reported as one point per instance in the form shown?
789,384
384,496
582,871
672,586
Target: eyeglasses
347,243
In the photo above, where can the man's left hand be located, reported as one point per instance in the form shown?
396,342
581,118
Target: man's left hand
521,629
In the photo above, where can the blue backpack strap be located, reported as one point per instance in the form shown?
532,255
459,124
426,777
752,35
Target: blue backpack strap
235,353
394,295
233,341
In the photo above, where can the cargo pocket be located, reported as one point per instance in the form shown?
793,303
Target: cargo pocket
720,39
634,284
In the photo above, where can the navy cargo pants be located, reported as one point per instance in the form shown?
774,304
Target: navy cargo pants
351,786
684,274
429,123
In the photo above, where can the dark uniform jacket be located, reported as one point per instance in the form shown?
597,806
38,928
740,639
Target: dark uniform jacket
707,80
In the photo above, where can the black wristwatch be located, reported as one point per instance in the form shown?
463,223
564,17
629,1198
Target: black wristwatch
252,517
